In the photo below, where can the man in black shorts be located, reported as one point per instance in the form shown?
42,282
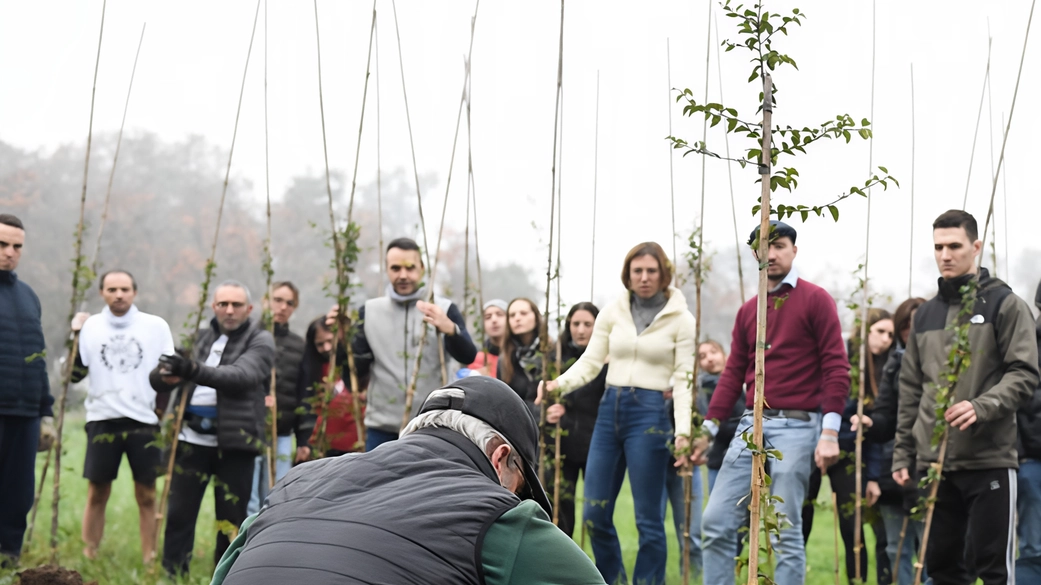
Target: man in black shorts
118,348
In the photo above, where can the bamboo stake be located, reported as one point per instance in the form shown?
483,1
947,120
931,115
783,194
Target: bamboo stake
979,114
1004,205
899,548
160,513
471,193
596,168
910,246
672,190
930,507
560,317
758,470
544,332
688,468
272,450
858,512
730,176
990,140
93,271
379,163
77,297
1008,127
337,255
411,390
835,511
359,421
115,157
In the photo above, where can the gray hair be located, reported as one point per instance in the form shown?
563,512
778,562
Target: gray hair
236,284
479,432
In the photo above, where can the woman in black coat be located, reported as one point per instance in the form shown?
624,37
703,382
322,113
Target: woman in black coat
520,361
580,410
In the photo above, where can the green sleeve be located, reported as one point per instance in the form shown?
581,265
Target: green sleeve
230,555
524,547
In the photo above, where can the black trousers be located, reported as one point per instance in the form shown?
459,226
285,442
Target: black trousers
19,436
233,475
843,483
975,510
568,482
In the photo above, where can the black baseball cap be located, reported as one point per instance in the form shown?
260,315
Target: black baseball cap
495,403
778,229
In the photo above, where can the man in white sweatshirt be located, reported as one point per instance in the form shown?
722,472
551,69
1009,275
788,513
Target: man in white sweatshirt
118,348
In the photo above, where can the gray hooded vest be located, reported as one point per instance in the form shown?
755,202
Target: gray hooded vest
393,331
411,512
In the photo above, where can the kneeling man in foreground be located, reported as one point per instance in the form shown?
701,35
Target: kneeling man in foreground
455,500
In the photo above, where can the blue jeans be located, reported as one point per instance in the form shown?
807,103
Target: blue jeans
1028,504
283,463
632,430
893,517
375,437
725,514
674,495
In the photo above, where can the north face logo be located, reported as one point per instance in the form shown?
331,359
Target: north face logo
995,485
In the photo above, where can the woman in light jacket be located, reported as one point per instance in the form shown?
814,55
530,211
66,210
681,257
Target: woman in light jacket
648,333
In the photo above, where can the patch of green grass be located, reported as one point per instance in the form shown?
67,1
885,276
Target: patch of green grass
119,557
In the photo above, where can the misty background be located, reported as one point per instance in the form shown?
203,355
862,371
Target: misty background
179,127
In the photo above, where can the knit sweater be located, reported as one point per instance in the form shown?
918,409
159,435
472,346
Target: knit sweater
660,357
806,365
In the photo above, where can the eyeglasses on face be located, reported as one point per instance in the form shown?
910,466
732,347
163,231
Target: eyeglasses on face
235,305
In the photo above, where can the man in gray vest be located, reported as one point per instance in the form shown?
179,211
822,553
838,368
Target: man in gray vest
387,342
455,500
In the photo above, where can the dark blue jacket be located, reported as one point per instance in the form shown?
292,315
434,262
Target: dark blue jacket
24,389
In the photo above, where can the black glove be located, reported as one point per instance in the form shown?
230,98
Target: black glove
179,365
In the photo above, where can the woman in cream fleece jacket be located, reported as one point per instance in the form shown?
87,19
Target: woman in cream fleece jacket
647,339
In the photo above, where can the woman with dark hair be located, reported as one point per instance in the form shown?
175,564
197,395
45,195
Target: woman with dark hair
648,334
341,432
520,363
843,475
576,411
896,502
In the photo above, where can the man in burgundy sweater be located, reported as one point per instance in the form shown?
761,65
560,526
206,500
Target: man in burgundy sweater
807,382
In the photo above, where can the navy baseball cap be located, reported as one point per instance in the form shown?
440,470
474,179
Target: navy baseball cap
778,229
495,403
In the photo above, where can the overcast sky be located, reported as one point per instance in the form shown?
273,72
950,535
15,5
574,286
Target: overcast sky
191,66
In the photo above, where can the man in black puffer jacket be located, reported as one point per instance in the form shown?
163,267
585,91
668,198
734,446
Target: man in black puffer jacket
226,376
25,397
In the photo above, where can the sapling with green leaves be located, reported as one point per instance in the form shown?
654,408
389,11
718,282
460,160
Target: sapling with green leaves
757,29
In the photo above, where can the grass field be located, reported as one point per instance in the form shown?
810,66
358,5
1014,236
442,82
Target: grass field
119,558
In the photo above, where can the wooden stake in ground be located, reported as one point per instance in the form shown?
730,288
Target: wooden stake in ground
672,190
910,245
204,292
557,431
763,251
899,548
410,392
975,133
835,511
688,469
544,330
79,283
272,449
858,513
93,271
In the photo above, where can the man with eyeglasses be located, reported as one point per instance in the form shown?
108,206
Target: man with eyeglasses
226,374
289,352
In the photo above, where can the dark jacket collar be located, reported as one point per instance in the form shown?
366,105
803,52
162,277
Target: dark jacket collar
281,329
245,327
473,452
10,276
949,290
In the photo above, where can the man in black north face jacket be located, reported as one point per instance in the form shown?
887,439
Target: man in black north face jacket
226,376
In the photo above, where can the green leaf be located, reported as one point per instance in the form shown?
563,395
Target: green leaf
834,212
865,122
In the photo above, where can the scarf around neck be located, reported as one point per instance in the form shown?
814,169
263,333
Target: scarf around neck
403,299
528,357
